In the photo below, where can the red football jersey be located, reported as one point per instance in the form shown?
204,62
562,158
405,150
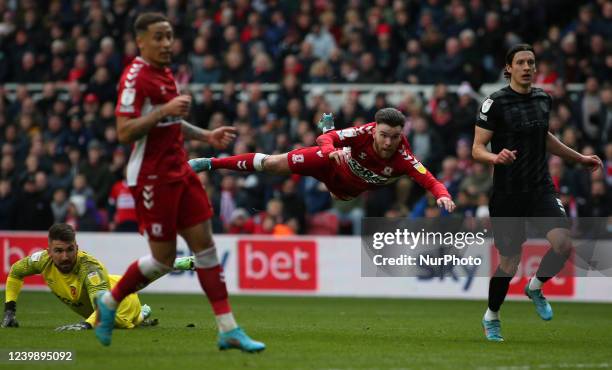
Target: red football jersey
159,156
365,170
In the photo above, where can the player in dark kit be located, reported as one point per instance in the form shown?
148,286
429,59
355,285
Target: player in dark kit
348,161
515,121
169,198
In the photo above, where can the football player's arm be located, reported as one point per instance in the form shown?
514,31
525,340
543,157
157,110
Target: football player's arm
219,138
14,282
131,126
556,147
332,142
425,179
482,137
488,115
95,279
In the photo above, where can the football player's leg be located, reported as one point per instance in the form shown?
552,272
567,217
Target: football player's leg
498,289
195,228
210,276
249,162
156,208
550,218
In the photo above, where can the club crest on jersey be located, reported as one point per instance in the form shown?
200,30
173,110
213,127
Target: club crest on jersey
487,105
362,155
73,291
156,230
387,171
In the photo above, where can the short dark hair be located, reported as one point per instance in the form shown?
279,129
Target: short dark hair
62,232
390,116
144,20
510,55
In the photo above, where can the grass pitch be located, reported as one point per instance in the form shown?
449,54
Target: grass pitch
325,333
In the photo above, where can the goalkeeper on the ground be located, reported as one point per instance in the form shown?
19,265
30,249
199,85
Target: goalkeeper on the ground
74,277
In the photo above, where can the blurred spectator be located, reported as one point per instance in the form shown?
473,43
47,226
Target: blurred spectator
34,210
97,173
60,205
7,204
321,40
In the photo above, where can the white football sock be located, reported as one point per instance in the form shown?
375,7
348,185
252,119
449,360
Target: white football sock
226,322
535,283
491,315
258,160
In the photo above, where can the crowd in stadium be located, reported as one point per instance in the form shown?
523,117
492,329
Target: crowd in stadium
61,160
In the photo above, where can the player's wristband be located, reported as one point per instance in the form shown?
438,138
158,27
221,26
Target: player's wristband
10,306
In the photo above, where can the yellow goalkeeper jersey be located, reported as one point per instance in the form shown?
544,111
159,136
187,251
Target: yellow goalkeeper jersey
76,289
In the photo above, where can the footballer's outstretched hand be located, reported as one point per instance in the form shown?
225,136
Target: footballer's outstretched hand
10,311
340,156
446,203
221,137
74,327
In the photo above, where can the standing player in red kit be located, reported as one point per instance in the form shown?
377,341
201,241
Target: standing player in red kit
169,197
348,161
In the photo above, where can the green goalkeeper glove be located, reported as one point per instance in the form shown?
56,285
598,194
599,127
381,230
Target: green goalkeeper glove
74,327
9,320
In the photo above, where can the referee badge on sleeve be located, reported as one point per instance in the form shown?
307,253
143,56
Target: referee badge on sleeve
486,105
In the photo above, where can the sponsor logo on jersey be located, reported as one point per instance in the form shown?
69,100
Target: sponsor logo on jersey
482,117
367,175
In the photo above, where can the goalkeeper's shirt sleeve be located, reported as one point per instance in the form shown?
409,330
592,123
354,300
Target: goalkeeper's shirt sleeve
93,275
30,265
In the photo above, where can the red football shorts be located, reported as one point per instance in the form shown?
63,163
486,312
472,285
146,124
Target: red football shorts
310,161
162,209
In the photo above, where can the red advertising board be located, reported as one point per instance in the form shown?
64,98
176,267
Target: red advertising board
277,265
14,248
562,285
